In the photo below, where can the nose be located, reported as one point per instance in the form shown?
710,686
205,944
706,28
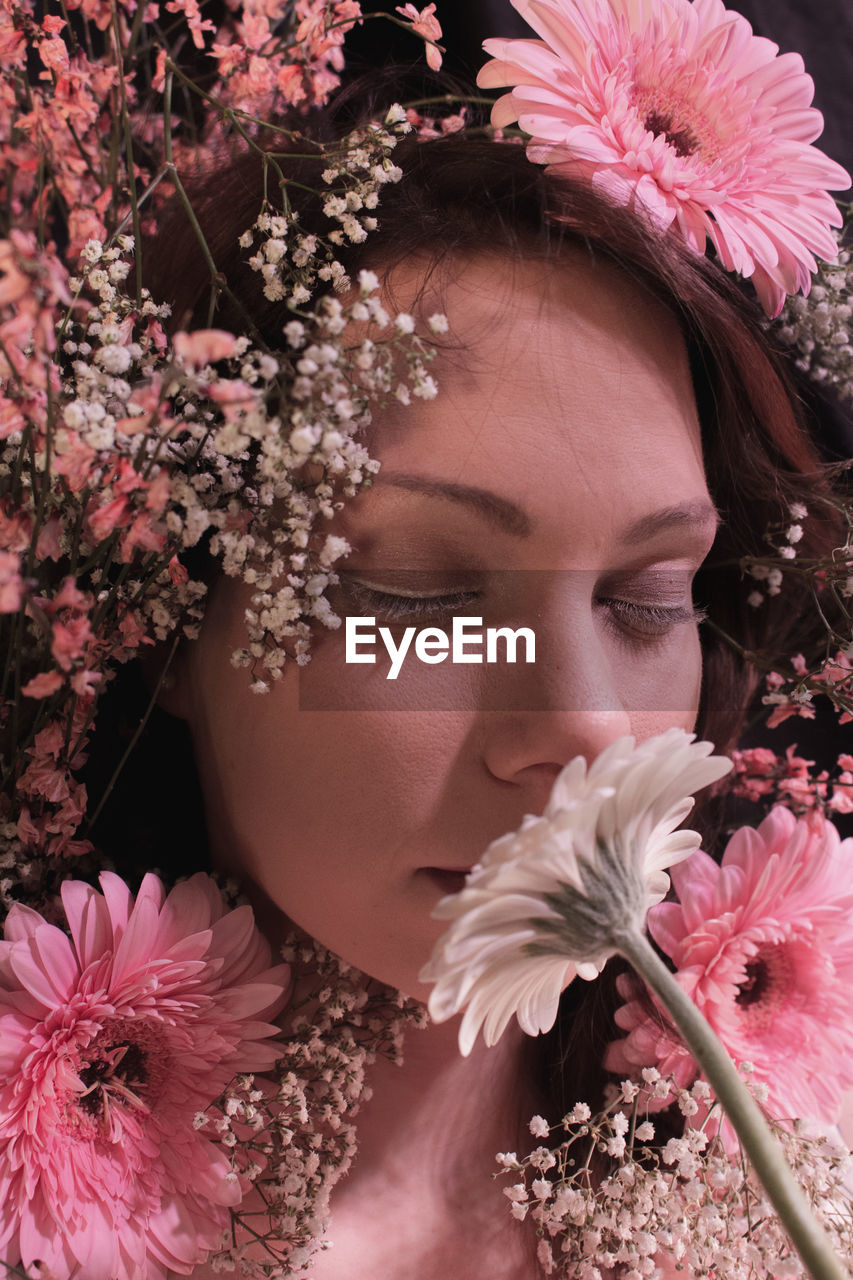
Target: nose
529,748
567,704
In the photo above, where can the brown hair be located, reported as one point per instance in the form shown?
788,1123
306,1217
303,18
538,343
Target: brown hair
461,193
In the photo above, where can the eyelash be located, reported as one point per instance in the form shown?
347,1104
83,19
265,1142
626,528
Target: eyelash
396,607
649,622
641,622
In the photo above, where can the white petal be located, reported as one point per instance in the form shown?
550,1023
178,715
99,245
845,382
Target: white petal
494,958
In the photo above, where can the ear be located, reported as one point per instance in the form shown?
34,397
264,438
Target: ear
164,670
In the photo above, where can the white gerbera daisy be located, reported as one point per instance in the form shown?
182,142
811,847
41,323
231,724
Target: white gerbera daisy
548,903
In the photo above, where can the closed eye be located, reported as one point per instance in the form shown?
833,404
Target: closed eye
395,606
648,621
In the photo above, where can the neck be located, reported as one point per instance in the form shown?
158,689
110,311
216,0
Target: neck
420,1199
441,1118
439,1115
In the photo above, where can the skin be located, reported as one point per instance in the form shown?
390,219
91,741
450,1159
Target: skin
565,397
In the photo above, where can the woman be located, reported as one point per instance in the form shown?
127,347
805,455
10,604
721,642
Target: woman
610,430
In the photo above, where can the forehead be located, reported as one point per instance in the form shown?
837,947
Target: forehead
557,330
562,385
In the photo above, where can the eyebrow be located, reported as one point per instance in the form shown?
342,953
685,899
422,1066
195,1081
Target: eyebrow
499,511
700,511
514,520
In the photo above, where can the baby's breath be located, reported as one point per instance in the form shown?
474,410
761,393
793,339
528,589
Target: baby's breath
818,327
608,1196
294,1138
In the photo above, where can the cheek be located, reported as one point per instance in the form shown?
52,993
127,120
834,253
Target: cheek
296,795
298,798
325,818
662,689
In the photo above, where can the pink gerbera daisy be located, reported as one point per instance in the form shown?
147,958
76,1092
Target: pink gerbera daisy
111,1041
677,105
764,946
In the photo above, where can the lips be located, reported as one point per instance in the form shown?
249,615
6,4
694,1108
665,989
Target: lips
448,879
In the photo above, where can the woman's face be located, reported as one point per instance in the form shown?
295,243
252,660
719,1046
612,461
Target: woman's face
556,483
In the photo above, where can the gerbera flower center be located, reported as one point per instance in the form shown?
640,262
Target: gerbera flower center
683,140
768,980
756,984
121,1069
123,1066
668,114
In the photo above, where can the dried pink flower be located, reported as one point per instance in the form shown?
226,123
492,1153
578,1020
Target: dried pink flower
204,346
676,105
426,24
111,1041
763,943
11,587
42,685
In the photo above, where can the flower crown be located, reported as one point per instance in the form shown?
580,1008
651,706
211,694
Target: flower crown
123,447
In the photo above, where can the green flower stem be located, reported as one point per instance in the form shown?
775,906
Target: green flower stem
761,1148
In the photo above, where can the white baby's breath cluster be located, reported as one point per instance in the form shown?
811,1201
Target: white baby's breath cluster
342,358
295,1139
291,261
784,539
818,327
152,456
358,170
615,1195
791,689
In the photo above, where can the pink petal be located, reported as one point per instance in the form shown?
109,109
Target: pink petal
46,966
119,900
21,922
88,920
